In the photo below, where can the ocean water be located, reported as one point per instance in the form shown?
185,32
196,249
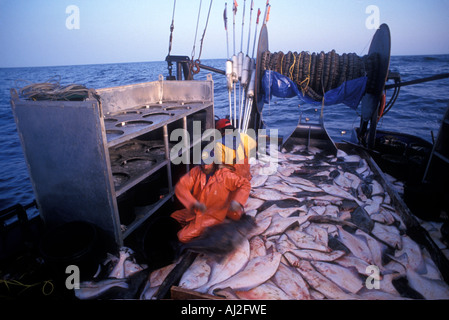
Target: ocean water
418,110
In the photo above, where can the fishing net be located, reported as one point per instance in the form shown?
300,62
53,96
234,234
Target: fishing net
316,73
53,90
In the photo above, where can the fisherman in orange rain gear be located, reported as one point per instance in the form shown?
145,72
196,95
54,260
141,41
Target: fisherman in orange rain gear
236,151
210,193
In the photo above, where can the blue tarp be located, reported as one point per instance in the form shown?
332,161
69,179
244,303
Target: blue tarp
349,93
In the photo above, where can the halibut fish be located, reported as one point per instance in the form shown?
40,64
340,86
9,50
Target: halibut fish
265,291
345,278
252,204
336,191
279,224
229,266
95,289
355,244
261,226
388,234
257,247
285,188
291,282
256,272
305,241
320,282
275,210
300,181
197,274
155,280
270,195
317,255
351,261
258,180
431,289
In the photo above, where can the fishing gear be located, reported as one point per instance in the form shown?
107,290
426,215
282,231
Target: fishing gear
170,42
55,91
249,27
398,85
244,83
250,97
234,12
240,66
255,32
266,15
249,74
194,41
229,71
196,64
243,25
251,87
240,55
225,19
317,73
246,73
416,81
234,58
241,69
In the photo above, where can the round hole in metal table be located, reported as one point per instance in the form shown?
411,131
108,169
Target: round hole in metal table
134,123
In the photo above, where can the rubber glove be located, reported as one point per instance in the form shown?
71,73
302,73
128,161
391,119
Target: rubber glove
235,206
200,206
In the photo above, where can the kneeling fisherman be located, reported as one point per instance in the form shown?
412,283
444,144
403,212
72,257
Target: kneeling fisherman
210,193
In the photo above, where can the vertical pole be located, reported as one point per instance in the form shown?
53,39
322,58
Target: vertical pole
249,30
243,24
255,32
230,105
167,157
186,144
225,18
234,10
235,108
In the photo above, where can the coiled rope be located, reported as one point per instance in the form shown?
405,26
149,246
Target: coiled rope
52,90
317,73
47,286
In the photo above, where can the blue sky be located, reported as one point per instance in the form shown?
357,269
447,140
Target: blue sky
34,32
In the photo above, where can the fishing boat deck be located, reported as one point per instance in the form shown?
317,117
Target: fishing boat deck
410,244
369,210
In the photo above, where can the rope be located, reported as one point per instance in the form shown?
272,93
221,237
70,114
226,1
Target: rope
195,65
317,73
292,67
196,30
44,284
170,41
172,27
54,91
204,32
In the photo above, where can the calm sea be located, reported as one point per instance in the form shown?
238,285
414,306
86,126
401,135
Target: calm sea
418,110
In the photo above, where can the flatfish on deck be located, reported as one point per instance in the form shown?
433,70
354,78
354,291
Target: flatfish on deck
229,266
256,272
270,195
258,180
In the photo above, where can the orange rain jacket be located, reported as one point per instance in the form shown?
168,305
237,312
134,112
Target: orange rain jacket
236,152
221,188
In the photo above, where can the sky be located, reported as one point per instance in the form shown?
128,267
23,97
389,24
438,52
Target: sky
73,32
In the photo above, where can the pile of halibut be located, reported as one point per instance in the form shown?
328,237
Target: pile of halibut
326,229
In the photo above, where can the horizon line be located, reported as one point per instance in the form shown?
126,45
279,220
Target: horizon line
156,61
